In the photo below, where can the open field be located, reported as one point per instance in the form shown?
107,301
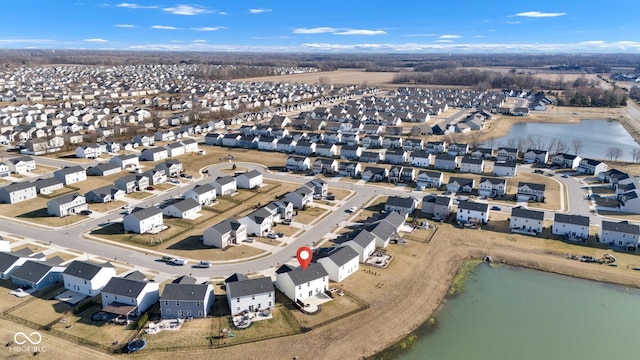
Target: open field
310,214
337,77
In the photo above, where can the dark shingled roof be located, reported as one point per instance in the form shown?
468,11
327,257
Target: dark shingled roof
622,227
184,292
249,287
571,219
124,287
474,206
526,213
6,260
83,270
342,255
236,277
32,271
313,272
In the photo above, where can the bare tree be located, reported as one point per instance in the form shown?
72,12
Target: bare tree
635,154
491,142
521,144
613,153
577,145
474,139
512,143
560,147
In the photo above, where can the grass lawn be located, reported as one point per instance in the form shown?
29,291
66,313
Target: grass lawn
40,216
43,169
223,205
193,334
7,300
115,232
340,194
106,207
419,234
285,229
139,195
281,324
164,187
23,207
215,154
268,241
310,214
60,192
192,247
65,256
338,306
102,333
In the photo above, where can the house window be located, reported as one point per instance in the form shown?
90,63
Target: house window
253,297
166,303
200,313
238,300
198,303
167,311
177,303
188,312
269,294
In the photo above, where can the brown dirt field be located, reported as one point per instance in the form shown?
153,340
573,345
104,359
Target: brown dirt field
337,77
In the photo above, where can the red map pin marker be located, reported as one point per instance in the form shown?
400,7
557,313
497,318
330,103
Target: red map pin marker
304,256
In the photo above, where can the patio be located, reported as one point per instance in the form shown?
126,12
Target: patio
70,297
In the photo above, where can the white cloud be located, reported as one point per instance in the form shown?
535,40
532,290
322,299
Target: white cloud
259,11
592,42
318,30
222,13
26,41
450,36
361,32
419,35
164,27
271,37
513,22
444,41
187,10
96,40
199,41
209,28
538,14
136,6
479,36
124,25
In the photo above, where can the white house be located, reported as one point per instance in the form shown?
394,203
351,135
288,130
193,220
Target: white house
505,168
258,222
532,156
104,194
68,204
458,184
9,262
142,220
530,191
204,194
572,227
123,295
88,152
591,167
154,154
187,208
225,185
325,166
249,180
566,161
364,243
340,263
469,211
87,278
403,205
526,221
175,149
298,163
21,165
17,192
71,174
621,234
507,154
225,233
301,197
437,206
429,179
492,187
190,145
298,284
126,161
446,162
251,295
472,165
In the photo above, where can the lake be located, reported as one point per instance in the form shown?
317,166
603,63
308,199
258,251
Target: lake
596,135
512,313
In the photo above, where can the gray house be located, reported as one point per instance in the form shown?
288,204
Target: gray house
184,298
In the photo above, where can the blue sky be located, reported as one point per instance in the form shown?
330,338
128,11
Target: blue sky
401,26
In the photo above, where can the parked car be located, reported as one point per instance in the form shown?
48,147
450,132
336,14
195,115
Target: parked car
150,188
250,240
203,264
166,258
271,235
352,209
331,197
565,176
280,234
286,222
86,212
178,262
496,208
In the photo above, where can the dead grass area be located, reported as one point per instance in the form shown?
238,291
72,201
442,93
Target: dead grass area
336,77
192,248
230,170
43,169
310,214
617,215
419,234
285,229
106,207
215,154
139,195
22,207
40,216
164,187
268,241
624,166
340,305
7,300
65,256
193,334
115,232
340,194
223,204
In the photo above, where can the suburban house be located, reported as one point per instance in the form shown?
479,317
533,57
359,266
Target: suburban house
88,152
429,179
71,174
458,184
186,299
286,145
350,152
472,165
413,144
9,262
87,278
399,204
204,194
437,206
155,176
420,158
187,208
17,192
143,140
470,211
566,161
348,168
298,284
175,149
325,166
104,194
591,167
4,170
530,191
251,295
132,182
258,223
225,185
298,163
436,147
154,154
630,202
68,204
396,156
506,154
301,197
386,227
190,145
142,220
364,243
458,149
533,156
446,162
104,169
126,161
526,221
484,153
374,173
37,275
372,157
326,150
340,263
171,167
320,188
249,180
492,187
305,148
572,227
124,296
505,168
225,233
621,234
48,185
21,165
267,143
